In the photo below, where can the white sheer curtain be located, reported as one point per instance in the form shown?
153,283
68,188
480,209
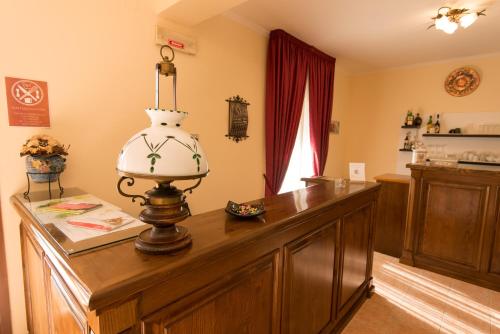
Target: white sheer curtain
301,162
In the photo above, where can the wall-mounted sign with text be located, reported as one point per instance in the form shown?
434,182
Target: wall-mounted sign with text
176,40
27,102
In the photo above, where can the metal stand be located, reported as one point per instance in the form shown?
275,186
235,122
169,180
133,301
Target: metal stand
57,174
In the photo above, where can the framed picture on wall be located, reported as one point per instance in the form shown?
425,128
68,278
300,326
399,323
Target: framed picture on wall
357,171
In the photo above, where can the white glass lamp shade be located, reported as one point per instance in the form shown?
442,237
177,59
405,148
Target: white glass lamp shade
442,22
163,151
468,19
450,28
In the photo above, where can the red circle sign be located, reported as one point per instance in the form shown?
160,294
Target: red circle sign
27,92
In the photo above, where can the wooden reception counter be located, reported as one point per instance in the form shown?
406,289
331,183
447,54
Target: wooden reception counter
453,222
303,267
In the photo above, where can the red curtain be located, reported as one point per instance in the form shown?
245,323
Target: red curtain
285,88
321,75
288,62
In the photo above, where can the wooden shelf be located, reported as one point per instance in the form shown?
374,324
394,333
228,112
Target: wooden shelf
410,127
483,163
405,150
461,135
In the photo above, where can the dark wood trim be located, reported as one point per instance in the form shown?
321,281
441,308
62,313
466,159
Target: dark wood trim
482,163
5,321
410,126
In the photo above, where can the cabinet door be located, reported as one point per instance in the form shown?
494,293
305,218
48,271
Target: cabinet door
391,218
309,280
65,315
355,236
34,286
242,302
456,211
494,256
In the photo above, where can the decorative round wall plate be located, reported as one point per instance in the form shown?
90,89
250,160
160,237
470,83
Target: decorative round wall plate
462,81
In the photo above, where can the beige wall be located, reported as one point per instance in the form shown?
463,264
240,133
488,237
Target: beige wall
338,146
98,58
378,101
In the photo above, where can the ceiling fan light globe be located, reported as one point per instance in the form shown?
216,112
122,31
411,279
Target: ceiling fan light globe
468,19
441,23
450,28
443,11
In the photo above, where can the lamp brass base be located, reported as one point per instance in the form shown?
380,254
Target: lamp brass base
165,206
163,240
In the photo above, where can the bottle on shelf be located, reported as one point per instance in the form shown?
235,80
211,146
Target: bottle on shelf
407,144
418,120
430,125
409,118
437,125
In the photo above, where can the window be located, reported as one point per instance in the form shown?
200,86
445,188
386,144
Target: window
301,161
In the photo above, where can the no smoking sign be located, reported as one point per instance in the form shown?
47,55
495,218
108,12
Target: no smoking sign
27,102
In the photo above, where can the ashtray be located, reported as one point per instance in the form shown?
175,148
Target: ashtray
244,210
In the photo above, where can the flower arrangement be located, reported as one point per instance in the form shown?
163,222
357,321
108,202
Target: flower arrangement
44,158
43,145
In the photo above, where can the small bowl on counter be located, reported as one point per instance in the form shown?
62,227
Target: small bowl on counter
244,210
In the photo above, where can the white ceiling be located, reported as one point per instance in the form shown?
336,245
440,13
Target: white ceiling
375,34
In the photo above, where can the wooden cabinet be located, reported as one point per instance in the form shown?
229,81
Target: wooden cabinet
243,302
49,305
494,265
303,267
391,213
309,281
453,223
65,316
356,256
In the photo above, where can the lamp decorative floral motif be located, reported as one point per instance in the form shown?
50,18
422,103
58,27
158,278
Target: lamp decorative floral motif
164,153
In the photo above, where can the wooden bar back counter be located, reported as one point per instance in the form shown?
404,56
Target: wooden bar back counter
453,222
303,267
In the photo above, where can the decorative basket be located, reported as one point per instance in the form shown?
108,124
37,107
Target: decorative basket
44,168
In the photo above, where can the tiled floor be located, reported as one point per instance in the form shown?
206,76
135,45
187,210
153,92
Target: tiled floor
412,300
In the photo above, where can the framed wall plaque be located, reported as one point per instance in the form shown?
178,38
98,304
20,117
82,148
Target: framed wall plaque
238,118
462,82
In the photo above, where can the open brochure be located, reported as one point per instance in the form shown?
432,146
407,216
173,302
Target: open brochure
83,217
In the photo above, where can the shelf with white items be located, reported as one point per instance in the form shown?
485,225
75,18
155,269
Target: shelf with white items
462,135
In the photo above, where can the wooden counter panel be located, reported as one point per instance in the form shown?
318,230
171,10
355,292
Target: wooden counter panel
355,244
391,216
393,178
64,314
244,302
454,221
495,256
182,285
232,280
34,286
494,265
309,276
106,273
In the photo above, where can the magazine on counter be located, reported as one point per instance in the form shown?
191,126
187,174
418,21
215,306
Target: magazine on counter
83,217
101,220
